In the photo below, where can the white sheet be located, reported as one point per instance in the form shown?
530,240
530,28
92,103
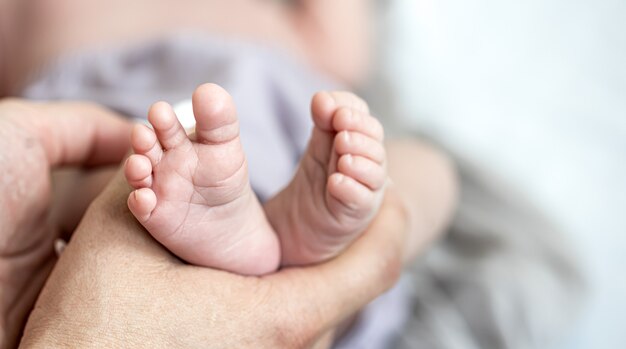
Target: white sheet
533,92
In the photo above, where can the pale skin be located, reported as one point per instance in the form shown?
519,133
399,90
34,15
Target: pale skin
48,29
339,183
329,35
135,262
131,258
124,289
193,195
35,139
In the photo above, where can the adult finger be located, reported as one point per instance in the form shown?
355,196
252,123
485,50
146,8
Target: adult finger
112,261
298,305
326,294
81,134
72,192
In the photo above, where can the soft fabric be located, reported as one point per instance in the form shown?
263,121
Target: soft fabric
529,97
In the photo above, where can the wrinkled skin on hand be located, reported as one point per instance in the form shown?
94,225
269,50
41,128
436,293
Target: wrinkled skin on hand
36,138
115,286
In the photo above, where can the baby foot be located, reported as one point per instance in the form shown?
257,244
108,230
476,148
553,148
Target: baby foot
338,186
193,195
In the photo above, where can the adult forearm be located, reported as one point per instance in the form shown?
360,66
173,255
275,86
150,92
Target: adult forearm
425,179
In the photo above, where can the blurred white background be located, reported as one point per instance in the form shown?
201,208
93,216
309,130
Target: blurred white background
533,92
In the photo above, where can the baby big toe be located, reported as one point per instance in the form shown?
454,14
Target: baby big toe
216,115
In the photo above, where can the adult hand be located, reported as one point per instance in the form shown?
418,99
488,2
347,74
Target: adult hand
114,286
34,139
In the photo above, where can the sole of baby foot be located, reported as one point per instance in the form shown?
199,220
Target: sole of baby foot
339,184
193,194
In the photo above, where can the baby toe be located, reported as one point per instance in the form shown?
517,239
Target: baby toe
363,170
323,107
325,104
141,203
356,143
350,100
168,129
349,194
144,142
350,119
138,171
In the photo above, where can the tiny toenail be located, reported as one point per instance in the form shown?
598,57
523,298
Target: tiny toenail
346,137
